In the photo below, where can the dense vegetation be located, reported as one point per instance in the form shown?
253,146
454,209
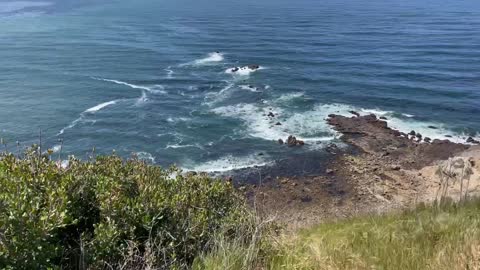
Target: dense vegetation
109,213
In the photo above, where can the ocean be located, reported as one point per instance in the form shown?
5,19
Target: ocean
152,78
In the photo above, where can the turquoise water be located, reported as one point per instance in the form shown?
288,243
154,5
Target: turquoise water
143,76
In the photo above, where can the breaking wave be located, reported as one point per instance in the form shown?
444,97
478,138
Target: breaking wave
229,163
311,126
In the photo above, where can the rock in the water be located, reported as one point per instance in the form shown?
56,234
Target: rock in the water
354,113
270,114
413,133
472,140
280,141
433,127
332,148
291,141
278,124
419,137
383,118
427,139
254,67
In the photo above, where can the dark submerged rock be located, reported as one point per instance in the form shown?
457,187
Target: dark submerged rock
354,113
472,140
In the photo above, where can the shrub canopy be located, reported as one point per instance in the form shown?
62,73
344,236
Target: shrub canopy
107,211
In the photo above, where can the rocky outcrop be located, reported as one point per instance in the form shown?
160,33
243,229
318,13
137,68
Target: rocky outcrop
372,135
472,140
292,141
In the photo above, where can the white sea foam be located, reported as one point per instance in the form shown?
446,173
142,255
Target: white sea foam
100,106
156,89
177,119
213,97
145,156
176,146
211,58
56,148
242,71
229,163
170,72
91,110
440,131
377,112
142,99
290,96
406,123
250,88
309,125
71,125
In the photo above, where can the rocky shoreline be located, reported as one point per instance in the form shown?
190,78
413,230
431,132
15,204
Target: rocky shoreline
386,170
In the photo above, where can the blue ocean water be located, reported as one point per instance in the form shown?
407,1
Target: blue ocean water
144,77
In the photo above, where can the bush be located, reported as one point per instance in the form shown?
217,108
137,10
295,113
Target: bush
108,213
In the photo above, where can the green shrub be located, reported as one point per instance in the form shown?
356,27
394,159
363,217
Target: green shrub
108,213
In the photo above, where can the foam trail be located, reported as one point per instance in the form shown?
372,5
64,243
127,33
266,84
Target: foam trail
72,124
211,58
176,146
100,106
91,110
290,96
142,99
134,86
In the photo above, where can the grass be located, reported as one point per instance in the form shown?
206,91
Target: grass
425,238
